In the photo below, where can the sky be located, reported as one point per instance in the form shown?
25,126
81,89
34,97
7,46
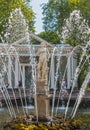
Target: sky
38,11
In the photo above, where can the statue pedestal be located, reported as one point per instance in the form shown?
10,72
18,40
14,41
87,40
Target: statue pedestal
43,107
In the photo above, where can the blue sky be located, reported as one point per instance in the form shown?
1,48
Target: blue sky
38,11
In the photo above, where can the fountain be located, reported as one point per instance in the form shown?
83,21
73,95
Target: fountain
43,63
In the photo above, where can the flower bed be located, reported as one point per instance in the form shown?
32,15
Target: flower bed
24,123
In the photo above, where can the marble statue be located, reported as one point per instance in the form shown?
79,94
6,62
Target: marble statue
42,67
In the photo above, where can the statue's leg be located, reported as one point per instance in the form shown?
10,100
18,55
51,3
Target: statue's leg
39,67
44,70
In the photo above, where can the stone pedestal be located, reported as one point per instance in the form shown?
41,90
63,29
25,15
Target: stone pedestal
42,99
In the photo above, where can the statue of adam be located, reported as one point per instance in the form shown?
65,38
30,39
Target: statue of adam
42,67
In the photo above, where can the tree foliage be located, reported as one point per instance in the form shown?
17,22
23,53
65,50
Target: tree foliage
6,6
55,11
83,6
76,30
16,28
49,36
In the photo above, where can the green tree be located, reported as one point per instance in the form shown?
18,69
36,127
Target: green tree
54,13
16,28
76,30
83,6
49,36
6,6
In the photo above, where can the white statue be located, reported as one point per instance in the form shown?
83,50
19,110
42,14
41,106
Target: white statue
42,67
